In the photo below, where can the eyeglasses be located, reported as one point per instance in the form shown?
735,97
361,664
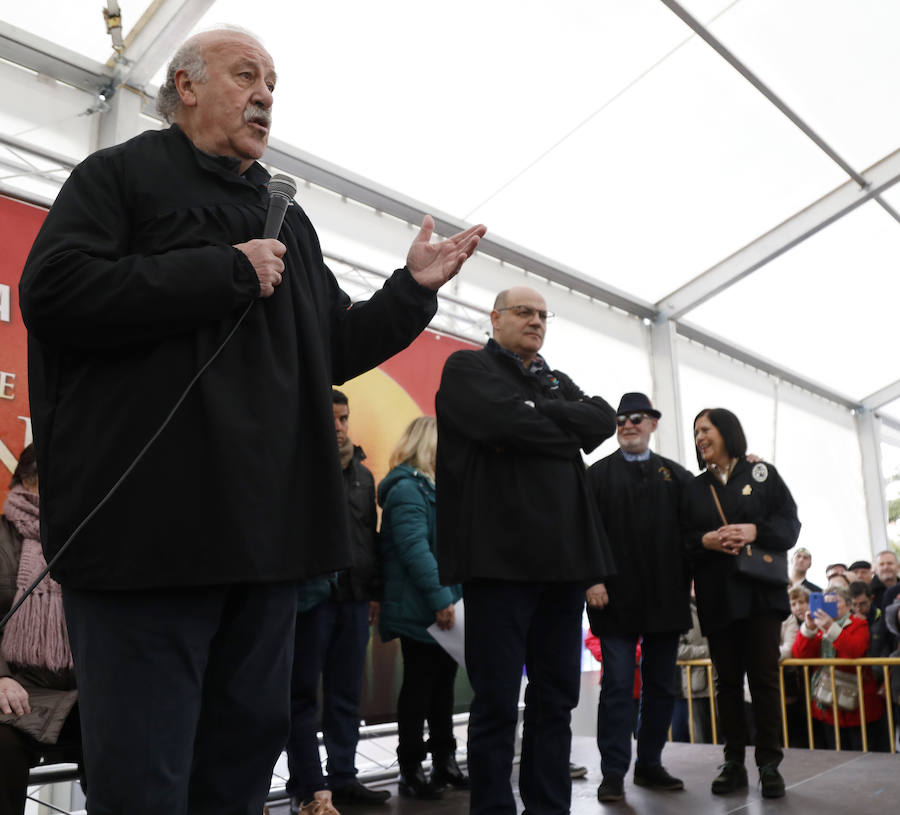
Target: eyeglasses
634,418
527,312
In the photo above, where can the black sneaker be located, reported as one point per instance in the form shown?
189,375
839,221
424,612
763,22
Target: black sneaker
355,793
771,782
612,789
577,771
656,778
732,776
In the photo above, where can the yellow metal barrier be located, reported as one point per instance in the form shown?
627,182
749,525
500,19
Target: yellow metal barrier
858,664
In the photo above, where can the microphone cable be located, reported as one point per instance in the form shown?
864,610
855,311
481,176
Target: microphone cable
284,186
128,470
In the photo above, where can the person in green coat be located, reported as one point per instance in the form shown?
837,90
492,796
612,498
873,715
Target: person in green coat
413,600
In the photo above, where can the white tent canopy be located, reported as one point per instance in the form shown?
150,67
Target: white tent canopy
705,189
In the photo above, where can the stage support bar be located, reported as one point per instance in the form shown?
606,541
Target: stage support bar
666,388
869,432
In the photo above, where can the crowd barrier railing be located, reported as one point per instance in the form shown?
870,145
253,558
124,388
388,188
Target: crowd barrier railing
858,664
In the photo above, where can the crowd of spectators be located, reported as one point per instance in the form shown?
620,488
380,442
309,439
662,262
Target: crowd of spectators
866,624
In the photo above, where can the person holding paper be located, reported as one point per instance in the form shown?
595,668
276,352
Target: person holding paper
413,600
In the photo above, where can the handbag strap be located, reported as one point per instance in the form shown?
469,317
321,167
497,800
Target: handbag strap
715,496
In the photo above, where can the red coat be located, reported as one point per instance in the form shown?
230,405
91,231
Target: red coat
851,643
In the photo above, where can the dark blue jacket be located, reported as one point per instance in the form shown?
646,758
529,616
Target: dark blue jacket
412,591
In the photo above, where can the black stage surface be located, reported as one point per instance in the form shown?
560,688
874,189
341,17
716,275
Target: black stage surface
819,782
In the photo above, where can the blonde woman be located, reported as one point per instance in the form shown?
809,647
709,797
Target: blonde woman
413,600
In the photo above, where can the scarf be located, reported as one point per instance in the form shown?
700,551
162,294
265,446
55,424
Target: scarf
346,453
36,635
827,646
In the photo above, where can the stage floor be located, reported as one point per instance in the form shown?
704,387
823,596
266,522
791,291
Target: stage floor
819,782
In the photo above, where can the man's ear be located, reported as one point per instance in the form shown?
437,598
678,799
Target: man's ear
185,87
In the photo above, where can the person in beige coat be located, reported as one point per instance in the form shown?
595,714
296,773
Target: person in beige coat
38,717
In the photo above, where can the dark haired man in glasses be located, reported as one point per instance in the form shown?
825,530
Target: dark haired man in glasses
518,528
638,494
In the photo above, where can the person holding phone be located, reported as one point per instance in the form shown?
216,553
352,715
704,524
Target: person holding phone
741,616
841,635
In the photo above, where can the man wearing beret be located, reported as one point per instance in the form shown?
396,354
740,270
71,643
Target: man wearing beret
638,495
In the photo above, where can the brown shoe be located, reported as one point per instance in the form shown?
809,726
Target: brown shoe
320,804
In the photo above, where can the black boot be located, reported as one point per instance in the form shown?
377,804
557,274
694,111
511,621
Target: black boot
414,784
445,772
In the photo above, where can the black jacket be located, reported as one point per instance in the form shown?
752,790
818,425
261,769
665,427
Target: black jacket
723,595
639,502
364,579
880,593
130,287
512,497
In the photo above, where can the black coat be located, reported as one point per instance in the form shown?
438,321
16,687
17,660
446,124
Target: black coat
131,285
512,497
723,595
639,502
364,579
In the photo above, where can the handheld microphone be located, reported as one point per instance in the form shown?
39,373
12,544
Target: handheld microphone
282,190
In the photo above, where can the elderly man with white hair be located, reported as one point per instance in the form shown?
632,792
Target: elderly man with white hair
180,592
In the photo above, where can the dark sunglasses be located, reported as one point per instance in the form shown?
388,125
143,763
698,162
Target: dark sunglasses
634,418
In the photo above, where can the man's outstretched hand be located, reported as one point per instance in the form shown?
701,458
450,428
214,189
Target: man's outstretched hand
433,264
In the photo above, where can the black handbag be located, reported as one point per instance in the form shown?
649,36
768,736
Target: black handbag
754,562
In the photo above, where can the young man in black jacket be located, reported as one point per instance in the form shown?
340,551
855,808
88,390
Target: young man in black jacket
334,615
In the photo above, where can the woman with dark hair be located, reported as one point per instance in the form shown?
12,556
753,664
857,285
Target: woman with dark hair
732,504
38,718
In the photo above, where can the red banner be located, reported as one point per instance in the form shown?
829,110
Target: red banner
19,224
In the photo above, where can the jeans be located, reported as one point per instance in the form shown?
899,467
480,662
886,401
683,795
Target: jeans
330,642
614,715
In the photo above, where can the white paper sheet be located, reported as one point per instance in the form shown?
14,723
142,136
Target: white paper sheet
453,641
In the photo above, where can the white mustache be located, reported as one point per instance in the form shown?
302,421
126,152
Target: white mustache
258,114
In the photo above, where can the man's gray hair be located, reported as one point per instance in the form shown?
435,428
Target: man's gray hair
188,58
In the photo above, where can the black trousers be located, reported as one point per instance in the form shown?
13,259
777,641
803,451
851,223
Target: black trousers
184,695
508,625
429,673
749,647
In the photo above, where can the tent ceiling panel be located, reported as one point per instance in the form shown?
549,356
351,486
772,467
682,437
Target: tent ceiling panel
826,308
733,167
832,62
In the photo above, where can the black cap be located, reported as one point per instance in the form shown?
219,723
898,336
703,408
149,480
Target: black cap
859,564
637,403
